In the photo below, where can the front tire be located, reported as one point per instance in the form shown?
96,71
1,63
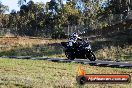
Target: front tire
91,56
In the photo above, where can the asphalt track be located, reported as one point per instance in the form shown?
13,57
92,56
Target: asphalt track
82,61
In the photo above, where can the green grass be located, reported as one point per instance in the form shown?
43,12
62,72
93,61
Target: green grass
20,73
52,48
35,51
56,51
115,52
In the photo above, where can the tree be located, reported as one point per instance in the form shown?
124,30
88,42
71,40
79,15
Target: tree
31,18
21,2
3,8
90,13
3,17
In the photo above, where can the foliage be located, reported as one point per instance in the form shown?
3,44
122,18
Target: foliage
35,19
3,8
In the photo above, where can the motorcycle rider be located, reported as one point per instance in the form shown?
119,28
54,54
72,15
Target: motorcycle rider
78,48
73,39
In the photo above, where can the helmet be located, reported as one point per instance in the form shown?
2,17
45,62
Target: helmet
74,34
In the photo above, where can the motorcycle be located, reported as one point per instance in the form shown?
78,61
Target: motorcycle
79,50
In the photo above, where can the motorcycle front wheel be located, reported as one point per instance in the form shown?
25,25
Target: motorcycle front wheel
91,56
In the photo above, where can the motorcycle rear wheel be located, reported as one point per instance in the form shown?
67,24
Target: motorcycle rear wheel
69,55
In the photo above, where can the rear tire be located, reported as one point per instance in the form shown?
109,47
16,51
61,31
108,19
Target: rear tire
69,55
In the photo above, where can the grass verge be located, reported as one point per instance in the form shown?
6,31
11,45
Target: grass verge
20,73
